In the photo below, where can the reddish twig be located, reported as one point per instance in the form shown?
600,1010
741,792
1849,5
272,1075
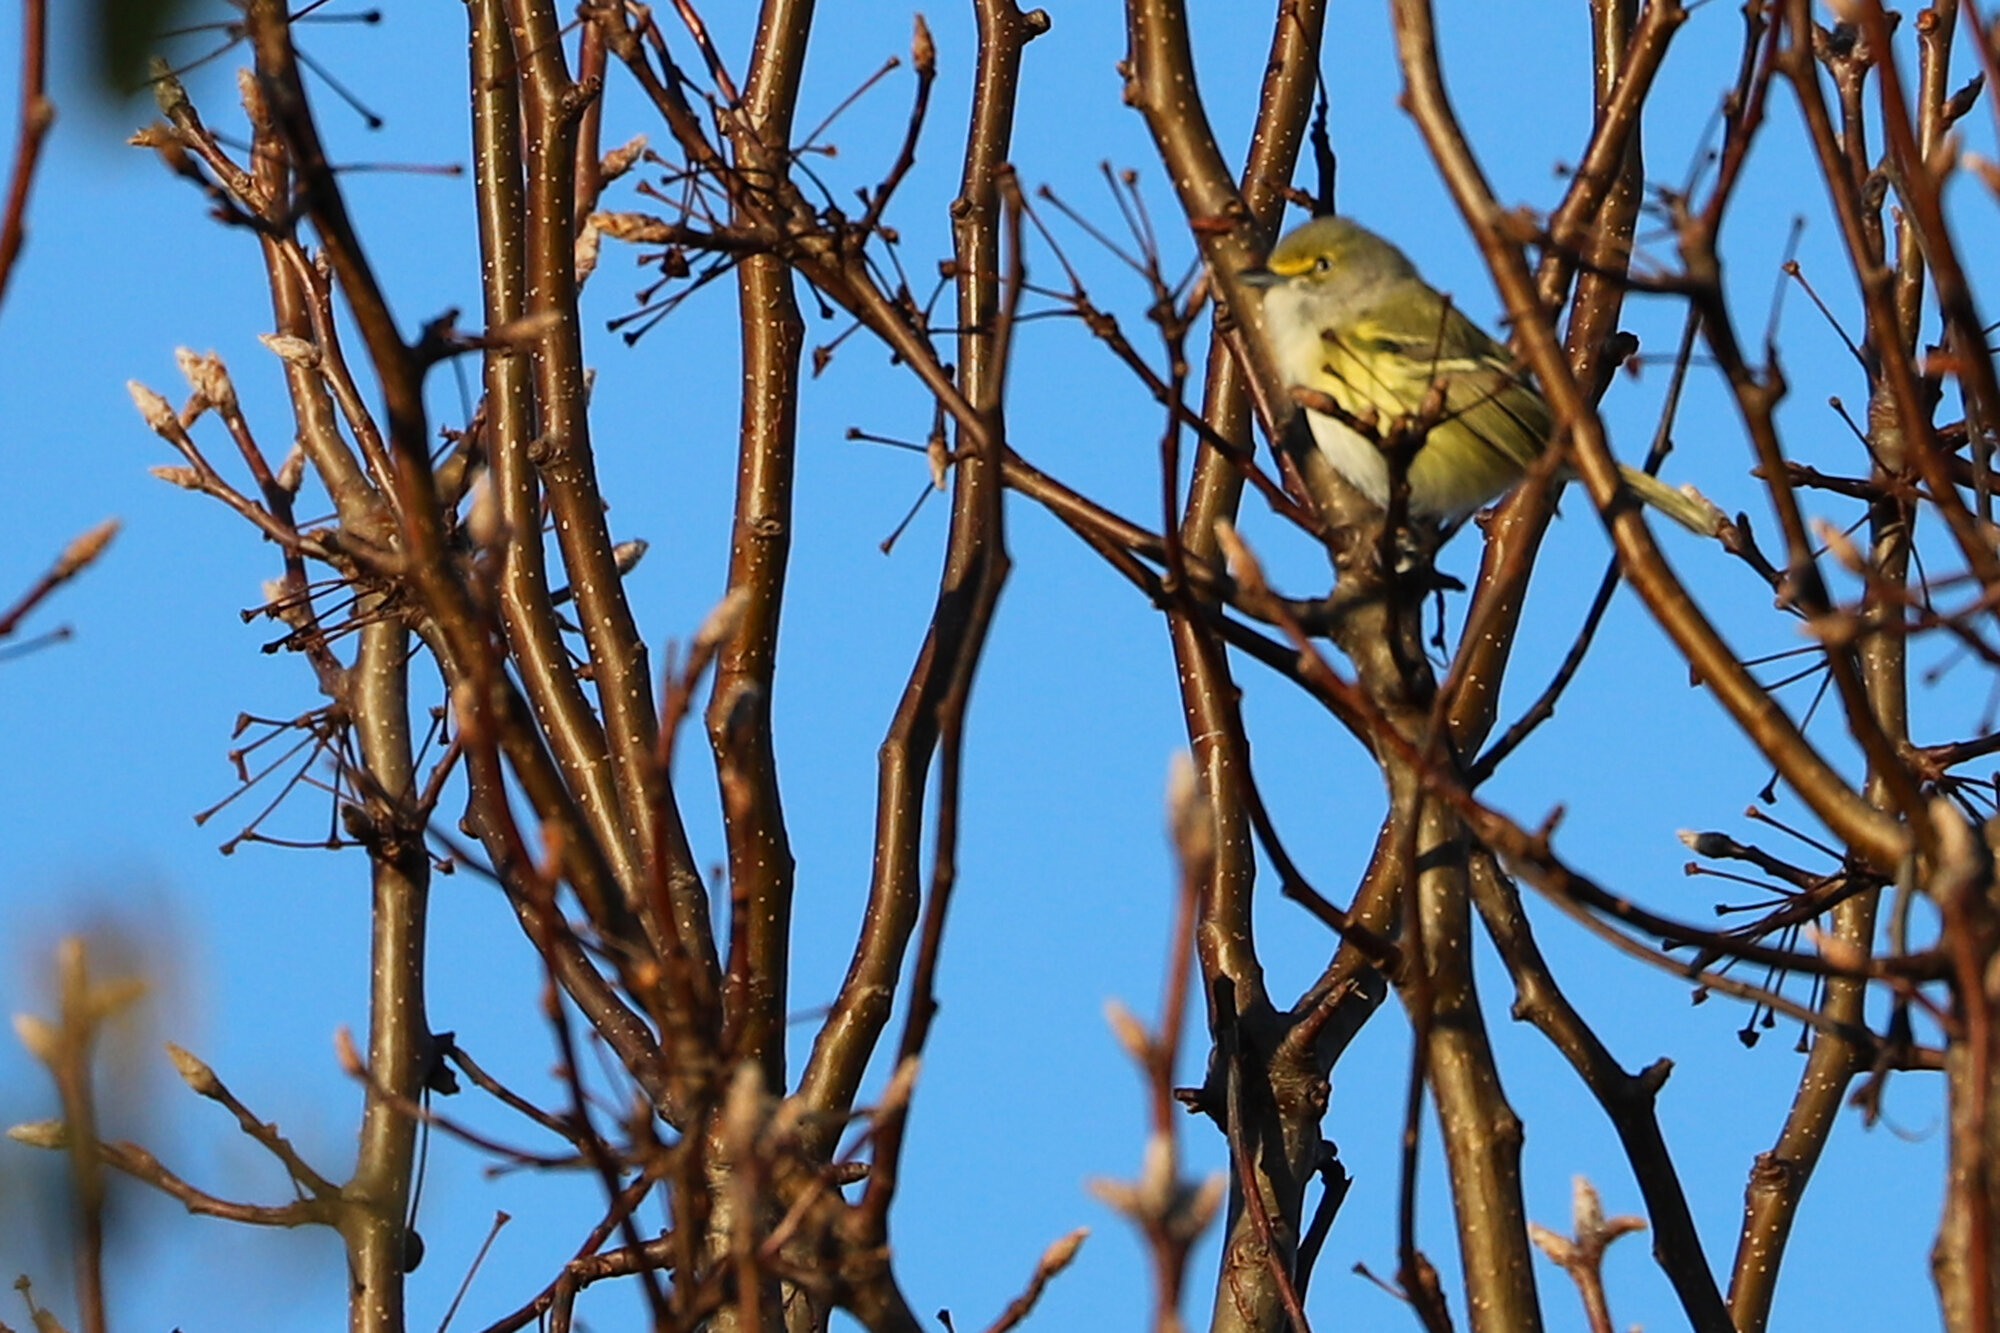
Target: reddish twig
38,113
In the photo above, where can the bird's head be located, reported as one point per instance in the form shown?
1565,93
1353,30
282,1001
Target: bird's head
1326,250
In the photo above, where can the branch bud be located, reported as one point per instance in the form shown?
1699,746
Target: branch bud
1554,1245
194,1072
1188,815
174,475
1156,1175
207,377
292,351
292,471
157,411
1586,1208
109,998
722,622
85,549
589,242
620,159
938,455
1843,549
627,555
53,1134
252,97
39,1035
1059,1254
632,226
346,1054
1711,515
1129,1031
1707,844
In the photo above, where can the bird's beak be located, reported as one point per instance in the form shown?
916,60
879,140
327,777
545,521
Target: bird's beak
1259,277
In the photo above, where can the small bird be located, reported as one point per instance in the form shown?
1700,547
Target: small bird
1347,314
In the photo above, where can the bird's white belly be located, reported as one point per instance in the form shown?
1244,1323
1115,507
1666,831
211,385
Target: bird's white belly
1354,456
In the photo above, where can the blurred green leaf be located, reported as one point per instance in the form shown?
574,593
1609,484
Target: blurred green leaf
125,33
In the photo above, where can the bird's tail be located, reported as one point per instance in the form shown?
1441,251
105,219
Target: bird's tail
1684,505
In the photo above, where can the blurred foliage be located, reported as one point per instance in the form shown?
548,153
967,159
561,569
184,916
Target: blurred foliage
125,33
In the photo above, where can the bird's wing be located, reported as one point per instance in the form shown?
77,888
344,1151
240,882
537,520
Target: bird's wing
1391,363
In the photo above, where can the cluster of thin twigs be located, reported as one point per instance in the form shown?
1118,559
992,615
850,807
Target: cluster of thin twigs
491,561
486,573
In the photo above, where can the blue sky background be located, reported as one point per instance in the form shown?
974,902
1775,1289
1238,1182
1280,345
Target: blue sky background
118,737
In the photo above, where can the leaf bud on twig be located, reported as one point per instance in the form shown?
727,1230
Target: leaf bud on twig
620,159
194,1071
292,351
52,1134
39,1036
85,549
292,471
174,475
157,411
721,623
1129,1031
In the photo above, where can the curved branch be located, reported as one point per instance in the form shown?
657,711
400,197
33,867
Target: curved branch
1627,1099
976,566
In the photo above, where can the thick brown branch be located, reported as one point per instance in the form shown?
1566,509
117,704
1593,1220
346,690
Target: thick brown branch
551,105
399,1037
575,735
740,710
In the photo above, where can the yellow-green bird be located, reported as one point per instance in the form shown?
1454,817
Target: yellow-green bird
1347,314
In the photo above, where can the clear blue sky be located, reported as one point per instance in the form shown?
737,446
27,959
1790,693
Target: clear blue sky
117,738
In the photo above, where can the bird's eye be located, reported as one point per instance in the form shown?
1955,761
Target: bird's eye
1322,264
